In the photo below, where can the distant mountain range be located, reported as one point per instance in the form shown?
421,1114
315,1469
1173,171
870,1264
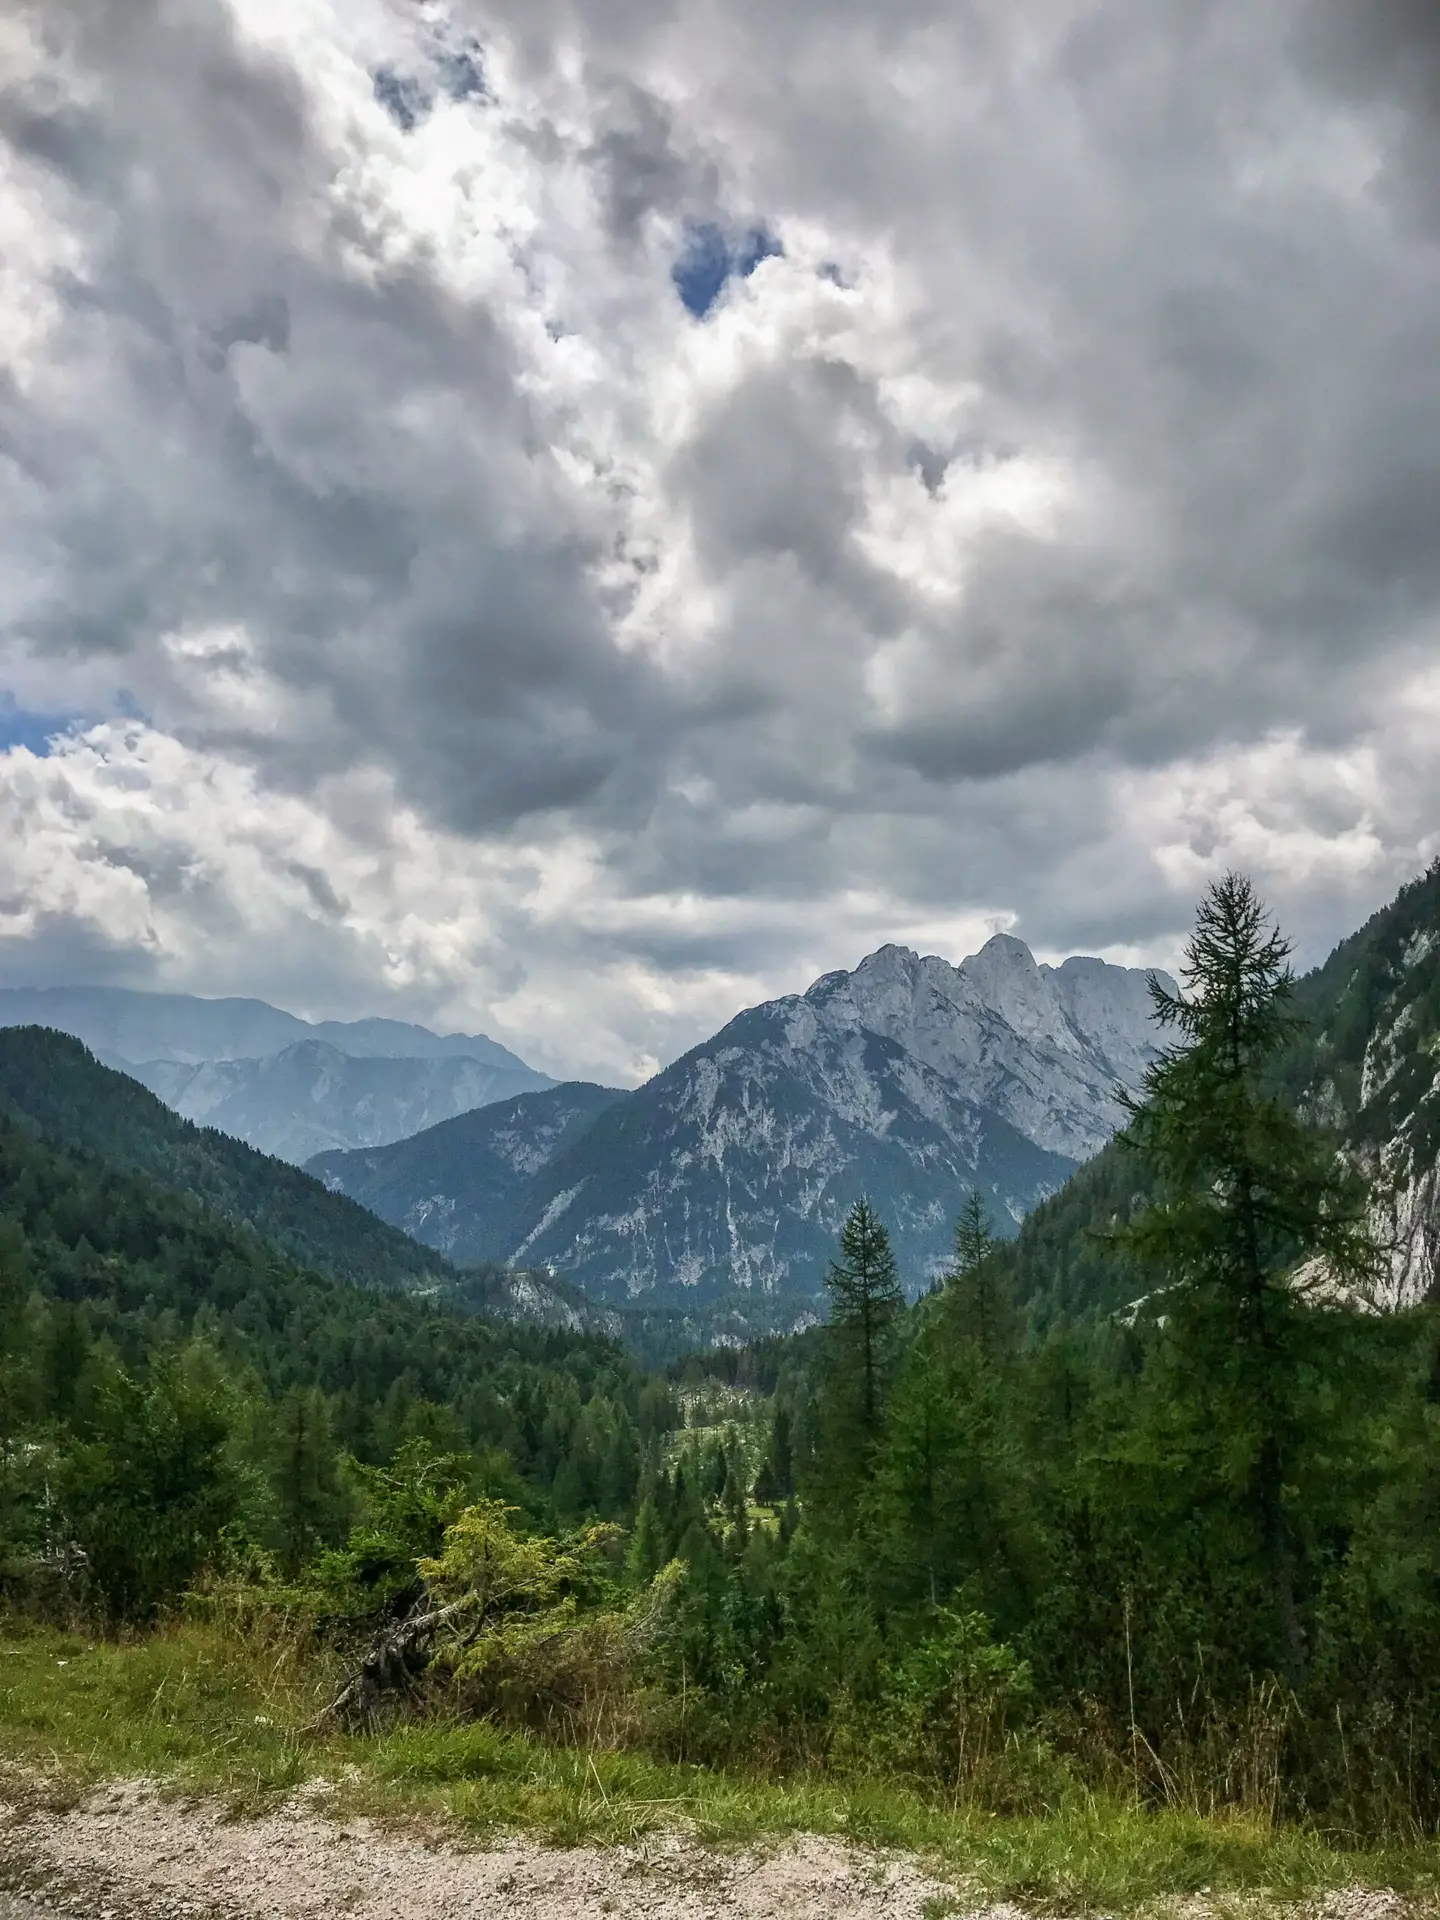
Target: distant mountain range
721,1184
286,1086
706,1203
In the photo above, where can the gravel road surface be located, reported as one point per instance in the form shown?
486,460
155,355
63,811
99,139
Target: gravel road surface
127,1854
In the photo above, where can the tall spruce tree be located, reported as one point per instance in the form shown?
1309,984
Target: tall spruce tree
975,1303
865,1304
305,1483
776,1479
18,1383
1252,1215
859,1356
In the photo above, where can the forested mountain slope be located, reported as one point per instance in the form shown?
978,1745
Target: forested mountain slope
52,1085
1365,1065
459,1186
52,1081
179,1375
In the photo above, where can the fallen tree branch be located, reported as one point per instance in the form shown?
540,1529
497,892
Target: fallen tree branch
390,1663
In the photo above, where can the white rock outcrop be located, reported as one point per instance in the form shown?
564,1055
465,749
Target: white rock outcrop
1044,1047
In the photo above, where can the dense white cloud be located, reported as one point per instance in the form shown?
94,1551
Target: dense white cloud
1049,521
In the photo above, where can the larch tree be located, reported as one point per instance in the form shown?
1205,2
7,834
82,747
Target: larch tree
1253,1215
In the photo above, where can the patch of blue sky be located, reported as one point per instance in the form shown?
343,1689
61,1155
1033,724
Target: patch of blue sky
19,727
757,245
459,73
710,258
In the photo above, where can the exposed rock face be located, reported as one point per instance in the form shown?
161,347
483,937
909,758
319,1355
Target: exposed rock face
1373,1076
1396,1128
1043,1047
726,1178
1407,1223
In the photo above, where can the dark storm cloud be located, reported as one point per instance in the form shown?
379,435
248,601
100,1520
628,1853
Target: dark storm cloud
287,491
1151,275
640,168
1167,273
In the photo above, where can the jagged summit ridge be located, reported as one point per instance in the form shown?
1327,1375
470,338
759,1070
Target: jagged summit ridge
1042,1046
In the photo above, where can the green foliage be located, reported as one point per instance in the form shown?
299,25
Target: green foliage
147,1487
977,1303
860,1351
304,1471
949,1709
776,1479
199,1709
948,1510
405,1510
1247,1193
491,1571
1251,1210
533,1628
174,1392
50,1082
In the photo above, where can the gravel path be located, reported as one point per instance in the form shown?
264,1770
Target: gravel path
126,1853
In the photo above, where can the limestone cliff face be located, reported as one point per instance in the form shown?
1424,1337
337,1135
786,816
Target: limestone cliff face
1397,1127
1043,1047
1407,1222
1374,1077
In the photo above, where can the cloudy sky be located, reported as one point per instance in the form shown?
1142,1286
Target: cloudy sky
568,517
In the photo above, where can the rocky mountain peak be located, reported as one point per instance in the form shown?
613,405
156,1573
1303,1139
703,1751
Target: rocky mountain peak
1043,1046
1008,982
728,1175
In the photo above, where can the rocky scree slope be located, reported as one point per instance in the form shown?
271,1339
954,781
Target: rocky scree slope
723,1182
286,1086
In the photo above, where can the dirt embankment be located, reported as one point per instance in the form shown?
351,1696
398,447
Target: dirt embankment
125,1852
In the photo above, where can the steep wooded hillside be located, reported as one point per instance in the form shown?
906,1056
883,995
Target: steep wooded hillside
1365,1064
